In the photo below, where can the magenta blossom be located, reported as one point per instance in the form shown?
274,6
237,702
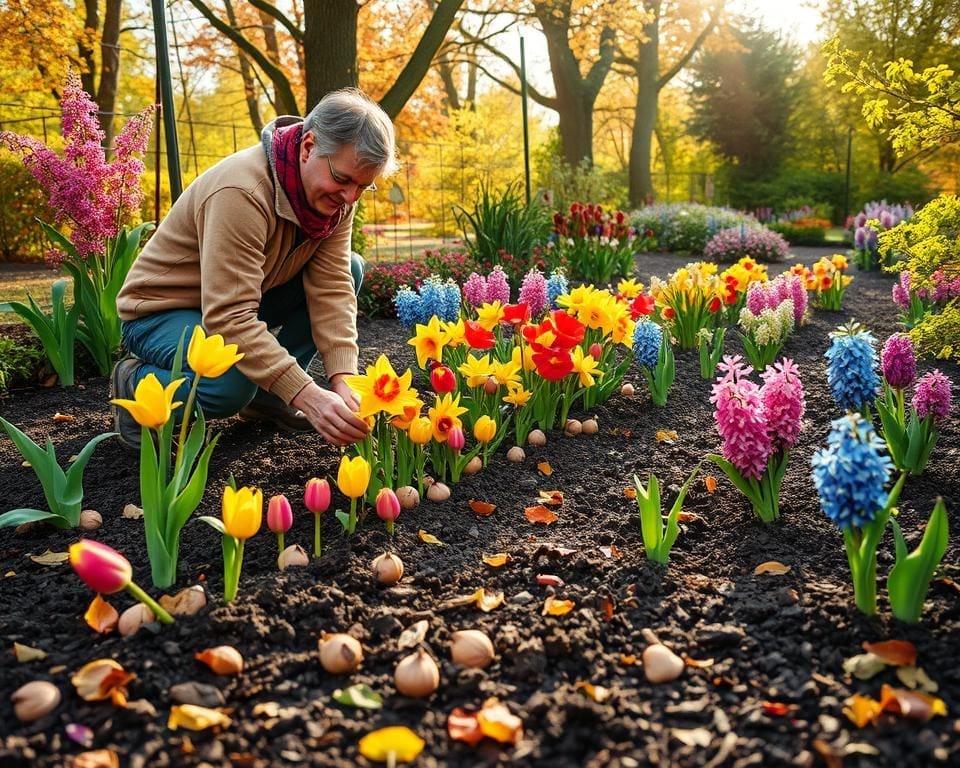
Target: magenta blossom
898,361
741,420
498,287
533,292
932,396
901,291
783,403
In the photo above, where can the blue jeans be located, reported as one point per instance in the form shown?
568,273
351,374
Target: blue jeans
154,338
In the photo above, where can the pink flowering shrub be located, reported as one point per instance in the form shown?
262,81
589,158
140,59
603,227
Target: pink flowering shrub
382,281
732,244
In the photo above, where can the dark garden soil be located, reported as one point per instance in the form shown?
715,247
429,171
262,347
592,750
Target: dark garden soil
778,639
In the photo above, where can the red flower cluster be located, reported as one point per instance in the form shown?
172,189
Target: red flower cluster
551,341
590,221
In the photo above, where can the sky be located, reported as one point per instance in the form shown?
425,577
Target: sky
795,18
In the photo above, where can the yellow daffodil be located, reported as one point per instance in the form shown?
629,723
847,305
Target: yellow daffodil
454,333
629,288
208,356
410,413
353,477
574,299
152,403
382,390
528,364
507,372
429,342
518,396
445,415
485,429
242,511
586,367
476,371
839,261
596,313
420,431
489,315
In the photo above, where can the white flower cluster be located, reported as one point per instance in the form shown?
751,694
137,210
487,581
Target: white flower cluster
771,326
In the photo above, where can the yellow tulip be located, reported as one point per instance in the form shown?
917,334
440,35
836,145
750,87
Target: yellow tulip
152,403
485,429
208,356
420,431
353,477
242,511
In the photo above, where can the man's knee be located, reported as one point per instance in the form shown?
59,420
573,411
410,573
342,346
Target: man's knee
358,266
225,395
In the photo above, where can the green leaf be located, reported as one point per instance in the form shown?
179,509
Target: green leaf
358,695
214,522
343,517
910,577
72,494
20,516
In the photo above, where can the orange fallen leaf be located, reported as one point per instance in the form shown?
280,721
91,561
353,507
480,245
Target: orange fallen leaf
63,418
911,704
463,725
482,508
606,605
773,567
711,483
101,616
102,679
612,551
545,469
222,660
697,663
97,758
540,514
498,560
596,692
861,709
666,435
551,498
778,708
499,723
896,653
630,492
688,517
549,580
628,659
554,607
429,538
196,718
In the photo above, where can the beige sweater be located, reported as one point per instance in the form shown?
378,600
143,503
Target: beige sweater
226,241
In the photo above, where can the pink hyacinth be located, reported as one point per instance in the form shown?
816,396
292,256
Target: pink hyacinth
757,298
783,403
740,419
898,361
797,293
901,291
498,287
932,396
475,290
533,292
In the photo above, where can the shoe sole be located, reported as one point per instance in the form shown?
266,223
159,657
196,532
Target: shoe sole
114,391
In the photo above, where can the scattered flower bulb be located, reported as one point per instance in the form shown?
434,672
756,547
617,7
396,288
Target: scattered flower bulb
473,466
388,568
222,660
293,556
516,454
417,675
133,618
35,700
627,390
471,648
573,427
409,496
590,426
90,519
660,664
438,492
536,438
340,653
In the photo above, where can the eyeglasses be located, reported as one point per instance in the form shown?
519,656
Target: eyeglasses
346,181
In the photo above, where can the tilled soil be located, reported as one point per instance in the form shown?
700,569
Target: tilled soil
779,639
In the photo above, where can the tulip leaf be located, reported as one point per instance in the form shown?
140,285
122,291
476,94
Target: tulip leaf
343,517
21,516
358,695
214,522
910,577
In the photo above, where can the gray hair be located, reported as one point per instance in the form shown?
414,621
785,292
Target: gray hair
350,117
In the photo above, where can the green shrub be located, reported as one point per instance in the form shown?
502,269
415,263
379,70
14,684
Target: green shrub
21,203
687,227
800,233
924,245
19,361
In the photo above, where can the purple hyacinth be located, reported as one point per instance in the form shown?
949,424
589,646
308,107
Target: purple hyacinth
932,396
898,361
474,290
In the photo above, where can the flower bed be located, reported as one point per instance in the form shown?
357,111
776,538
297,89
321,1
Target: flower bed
766,650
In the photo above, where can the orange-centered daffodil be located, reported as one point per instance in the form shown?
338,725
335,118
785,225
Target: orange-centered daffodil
382,390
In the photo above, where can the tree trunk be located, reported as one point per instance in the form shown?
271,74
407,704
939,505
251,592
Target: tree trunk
246,74
91,26
645,115
109,68
330,42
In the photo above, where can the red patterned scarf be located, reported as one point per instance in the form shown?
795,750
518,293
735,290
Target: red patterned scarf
286,160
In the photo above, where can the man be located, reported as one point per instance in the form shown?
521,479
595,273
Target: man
258,242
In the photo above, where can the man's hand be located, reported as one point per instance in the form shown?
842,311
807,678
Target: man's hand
331,413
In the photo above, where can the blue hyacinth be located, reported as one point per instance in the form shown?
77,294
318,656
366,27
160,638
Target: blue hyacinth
851,472
407,303
647,337
556,286
852,367
431,299
451,302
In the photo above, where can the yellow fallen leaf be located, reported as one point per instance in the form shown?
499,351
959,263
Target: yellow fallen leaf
545,468
596,692
554,607
396,742
51,558
196,718
666,435
429,538
485,601
187,602
101,616
498,560
772,567
102,679
25,653
499,723
861,709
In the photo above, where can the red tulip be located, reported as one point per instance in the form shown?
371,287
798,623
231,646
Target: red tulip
516,314
102,568
553,364
477,336
642,305
442,379
279,514
317,495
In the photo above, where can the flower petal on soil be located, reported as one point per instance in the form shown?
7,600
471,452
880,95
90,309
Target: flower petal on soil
359,695
187,602
607,606
711,483
697,663
688,517
915,677
463,725
413,635
863,666
596,692
666,436
896,653
913,705
25,653
628,659
551,498
101,616
397,740
485,601
772,567
539,514
80,734
861,709
611,552
428,538
630,492
499,723
63,418
196,718
554,607
51,558
549,580
102,679
97,758
498,560
545,469
777,708
482,508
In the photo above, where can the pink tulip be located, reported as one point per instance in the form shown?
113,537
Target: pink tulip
596,351
279,514
456,439
102,568
388,507
317,495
